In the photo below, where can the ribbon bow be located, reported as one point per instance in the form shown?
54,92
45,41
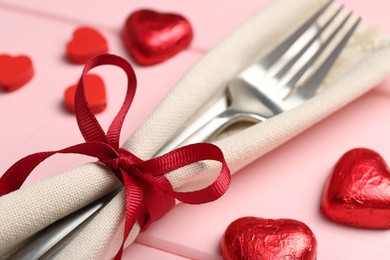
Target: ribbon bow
149,194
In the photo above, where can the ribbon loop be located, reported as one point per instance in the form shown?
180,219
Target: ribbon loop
88,124
149,194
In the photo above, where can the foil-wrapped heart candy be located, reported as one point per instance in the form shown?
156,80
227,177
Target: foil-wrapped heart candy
358,191
271,239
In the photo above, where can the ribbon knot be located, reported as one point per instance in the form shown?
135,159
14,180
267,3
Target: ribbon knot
152,196
118,164
149,195
123,162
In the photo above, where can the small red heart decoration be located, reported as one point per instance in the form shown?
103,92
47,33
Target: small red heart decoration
85,44
152,37
15,72
358,191
271,239
95,93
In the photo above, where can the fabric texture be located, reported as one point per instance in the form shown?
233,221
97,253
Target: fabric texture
363,65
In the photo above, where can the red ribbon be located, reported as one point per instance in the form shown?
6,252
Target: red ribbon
149,194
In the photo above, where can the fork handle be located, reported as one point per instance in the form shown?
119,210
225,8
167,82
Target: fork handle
215,126
202,133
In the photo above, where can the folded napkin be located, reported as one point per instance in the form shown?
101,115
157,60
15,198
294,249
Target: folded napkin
363,64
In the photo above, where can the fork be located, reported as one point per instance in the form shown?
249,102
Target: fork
276,83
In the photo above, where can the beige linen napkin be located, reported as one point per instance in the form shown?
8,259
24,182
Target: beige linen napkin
364,64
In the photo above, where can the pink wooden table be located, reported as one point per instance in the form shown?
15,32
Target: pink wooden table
33,119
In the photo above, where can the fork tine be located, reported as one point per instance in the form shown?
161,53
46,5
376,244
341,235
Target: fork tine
309,88
309,63
309,44
280,50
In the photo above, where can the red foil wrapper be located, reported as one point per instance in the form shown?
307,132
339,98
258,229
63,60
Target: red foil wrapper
271,239
152,37
358,191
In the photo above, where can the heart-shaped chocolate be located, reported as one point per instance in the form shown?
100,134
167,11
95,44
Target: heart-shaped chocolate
85,44
15,71
358,191
95,92
271,239
151,37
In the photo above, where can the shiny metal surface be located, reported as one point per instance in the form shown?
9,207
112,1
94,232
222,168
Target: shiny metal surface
281,80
